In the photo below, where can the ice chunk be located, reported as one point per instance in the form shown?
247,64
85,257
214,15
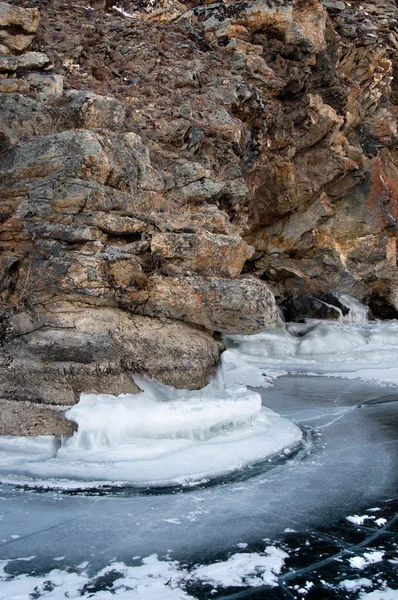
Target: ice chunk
357,312
358,520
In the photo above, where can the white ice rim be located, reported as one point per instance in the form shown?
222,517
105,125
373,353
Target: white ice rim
186,464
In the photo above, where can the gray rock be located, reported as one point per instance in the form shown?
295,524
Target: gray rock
24,323
30,60
334,5
200,191
92,111
186,172
25,418
26,19
43,86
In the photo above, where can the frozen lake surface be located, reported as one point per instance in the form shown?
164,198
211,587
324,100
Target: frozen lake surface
317,522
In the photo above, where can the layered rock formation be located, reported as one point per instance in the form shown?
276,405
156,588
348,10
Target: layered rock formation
170,168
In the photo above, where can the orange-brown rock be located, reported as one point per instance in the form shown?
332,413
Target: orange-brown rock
213,302
204,253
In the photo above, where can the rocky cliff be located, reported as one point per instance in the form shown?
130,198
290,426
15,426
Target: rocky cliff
171,171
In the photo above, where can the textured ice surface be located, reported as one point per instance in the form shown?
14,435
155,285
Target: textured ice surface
159,437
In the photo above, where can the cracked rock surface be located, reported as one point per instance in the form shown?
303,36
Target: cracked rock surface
174,170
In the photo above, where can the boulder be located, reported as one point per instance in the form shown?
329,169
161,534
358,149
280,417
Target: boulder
59,383
95,275
17,27
204,253
199,191
28,61
26,19
22,118
226,305
75,153
16,42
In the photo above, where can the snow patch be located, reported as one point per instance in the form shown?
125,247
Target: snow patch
386,594
369,558
152,579
244,569
352,585
358,520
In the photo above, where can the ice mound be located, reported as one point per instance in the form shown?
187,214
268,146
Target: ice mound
364,350
106,421
159,437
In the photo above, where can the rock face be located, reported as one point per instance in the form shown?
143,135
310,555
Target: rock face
70,347
169,168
